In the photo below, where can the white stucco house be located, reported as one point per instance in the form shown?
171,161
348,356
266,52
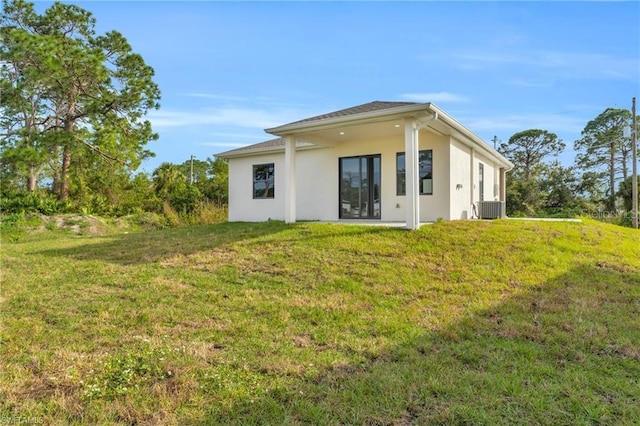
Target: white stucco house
381,161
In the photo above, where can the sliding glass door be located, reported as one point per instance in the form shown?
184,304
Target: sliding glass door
360,187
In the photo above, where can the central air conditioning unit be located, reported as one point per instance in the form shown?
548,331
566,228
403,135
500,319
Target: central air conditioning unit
492,209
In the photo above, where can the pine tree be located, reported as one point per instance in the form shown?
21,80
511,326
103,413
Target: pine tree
83,91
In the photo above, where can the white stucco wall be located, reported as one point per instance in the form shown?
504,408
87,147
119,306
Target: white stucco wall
317,184
463,173
317,187
489,178
242,206
460,165
433,207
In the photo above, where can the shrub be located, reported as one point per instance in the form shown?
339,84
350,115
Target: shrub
172,218
14,201
10,227
207,213
627,219
149,220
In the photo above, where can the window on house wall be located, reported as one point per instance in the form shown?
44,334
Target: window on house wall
263,181
425,179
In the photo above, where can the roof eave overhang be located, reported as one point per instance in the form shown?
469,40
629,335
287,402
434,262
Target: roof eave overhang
267,150
348,120
244,153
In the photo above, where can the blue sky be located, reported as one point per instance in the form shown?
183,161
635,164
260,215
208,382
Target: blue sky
227,70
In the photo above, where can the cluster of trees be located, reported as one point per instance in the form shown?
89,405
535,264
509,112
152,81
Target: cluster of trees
101,191
72,121
184,186
600,178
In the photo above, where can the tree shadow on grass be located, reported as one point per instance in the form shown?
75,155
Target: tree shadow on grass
155,246
565,352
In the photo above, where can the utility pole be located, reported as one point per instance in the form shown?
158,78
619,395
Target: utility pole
634,178
191,175
495,141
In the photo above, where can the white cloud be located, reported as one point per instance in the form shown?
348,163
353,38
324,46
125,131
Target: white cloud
518,122
556,63
229,145
234,135
435,97
240,117
216,96
264,101
521,82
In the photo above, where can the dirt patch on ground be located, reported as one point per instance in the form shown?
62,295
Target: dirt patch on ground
76,224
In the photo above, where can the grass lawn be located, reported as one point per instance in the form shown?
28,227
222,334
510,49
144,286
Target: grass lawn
468,322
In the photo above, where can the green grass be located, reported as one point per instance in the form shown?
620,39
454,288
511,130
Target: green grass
505,322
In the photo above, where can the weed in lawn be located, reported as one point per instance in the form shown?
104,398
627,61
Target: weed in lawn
226,382
122,374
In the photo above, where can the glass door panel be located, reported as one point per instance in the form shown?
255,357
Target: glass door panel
364,188
360,187
350,188
375,187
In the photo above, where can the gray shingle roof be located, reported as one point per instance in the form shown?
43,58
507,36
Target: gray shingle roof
359,109
272,143
368,107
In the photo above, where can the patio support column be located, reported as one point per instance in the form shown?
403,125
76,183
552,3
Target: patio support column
411,174
289,179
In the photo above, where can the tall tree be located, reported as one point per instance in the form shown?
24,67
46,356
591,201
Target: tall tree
529,148
604,150
22,110
94,90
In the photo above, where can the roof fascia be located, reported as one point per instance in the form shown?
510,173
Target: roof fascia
244,152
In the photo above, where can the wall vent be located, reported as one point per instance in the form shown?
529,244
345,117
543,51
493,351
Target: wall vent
492,209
